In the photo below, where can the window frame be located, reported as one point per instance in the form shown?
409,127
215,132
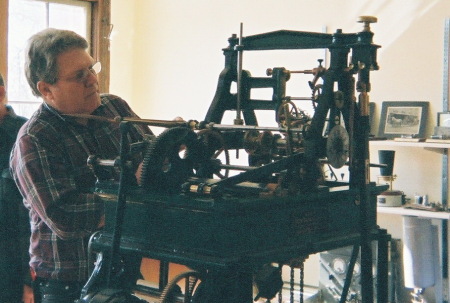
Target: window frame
101,27
100,32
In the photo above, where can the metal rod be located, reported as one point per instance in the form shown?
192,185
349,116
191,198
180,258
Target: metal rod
246,168
249,127
325,161
152,122
237,167
238,119
349,274
289,141
383,266
307,71
120,207
299,98
445,161
262,171
163,274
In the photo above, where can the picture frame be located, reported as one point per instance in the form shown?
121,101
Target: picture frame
372,107
443,119
403,119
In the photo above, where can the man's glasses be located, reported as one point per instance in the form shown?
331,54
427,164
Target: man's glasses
82,75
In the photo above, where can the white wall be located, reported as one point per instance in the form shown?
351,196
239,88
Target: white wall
166,57
169,52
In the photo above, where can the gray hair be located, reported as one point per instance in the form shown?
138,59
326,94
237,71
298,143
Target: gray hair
42,52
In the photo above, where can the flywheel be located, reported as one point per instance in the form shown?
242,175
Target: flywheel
182,288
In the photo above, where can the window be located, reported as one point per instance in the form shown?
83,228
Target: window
27,17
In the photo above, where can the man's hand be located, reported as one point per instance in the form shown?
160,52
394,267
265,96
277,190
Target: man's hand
138,173
28,295
102,222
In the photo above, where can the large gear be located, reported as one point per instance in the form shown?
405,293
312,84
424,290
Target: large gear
170,158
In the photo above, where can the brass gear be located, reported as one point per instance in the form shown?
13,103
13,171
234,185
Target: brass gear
292,111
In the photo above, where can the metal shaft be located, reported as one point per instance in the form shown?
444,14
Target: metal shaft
238,119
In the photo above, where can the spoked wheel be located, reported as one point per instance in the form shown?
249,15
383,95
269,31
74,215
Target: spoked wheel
182,288
216,154
316,93
286,112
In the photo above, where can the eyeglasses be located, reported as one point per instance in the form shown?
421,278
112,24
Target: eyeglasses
82,75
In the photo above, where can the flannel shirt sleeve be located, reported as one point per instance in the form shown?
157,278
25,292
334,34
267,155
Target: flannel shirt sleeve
40,170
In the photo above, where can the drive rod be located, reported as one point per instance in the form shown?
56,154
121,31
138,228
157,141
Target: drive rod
248,127
242,167
151,122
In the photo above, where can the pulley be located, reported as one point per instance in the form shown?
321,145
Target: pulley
338,146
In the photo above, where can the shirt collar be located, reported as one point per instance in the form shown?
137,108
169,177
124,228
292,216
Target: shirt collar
54,111
64,118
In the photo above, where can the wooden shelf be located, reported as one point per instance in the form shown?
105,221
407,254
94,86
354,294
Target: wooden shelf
409,144
414,212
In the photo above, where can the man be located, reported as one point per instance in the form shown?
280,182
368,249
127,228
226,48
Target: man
15,279
49,159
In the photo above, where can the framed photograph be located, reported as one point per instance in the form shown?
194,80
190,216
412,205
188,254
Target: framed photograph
403,118
443,119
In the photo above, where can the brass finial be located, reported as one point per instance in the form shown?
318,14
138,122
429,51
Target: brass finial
367,20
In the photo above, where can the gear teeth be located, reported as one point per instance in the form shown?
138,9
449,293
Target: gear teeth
165,147
149,152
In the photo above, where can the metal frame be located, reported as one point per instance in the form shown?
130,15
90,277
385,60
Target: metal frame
445,163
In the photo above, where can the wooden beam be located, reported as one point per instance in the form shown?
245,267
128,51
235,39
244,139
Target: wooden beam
101,29
4,38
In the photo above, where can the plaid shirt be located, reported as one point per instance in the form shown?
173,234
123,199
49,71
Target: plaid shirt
49,164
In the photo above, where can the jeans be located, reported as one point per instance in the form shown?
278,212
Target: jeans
52,291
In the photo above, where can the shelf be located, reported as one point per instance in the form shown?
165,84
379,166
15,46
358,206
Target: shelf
409,144
414,212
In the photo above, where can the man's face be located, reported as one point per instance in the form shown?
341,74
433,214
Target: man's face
76,89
